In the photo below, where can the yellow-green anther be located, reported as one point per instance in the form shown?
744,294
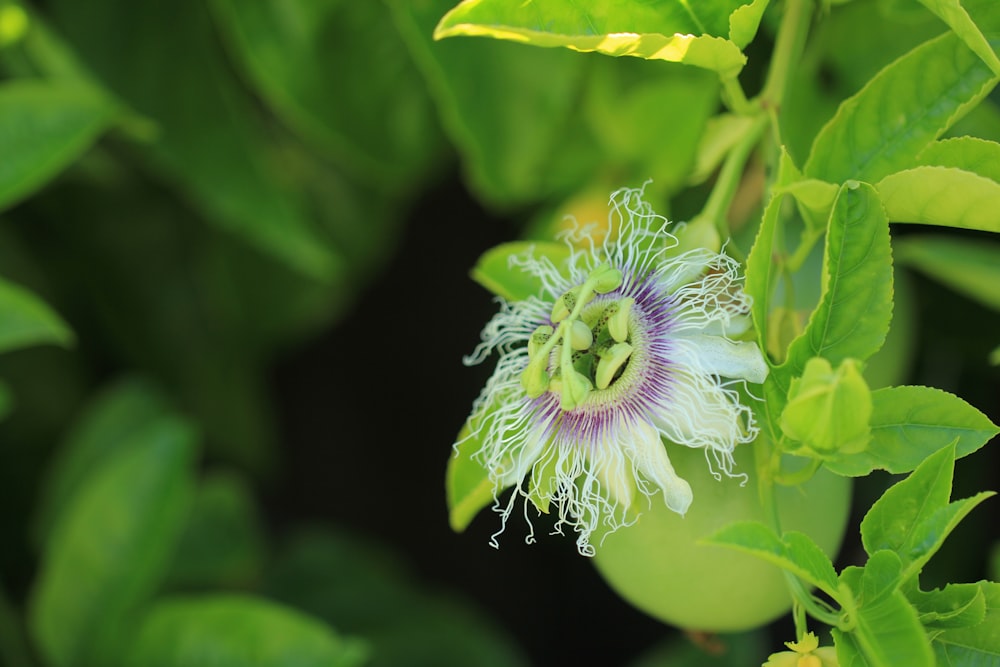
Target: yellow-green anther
604,278
618,322
535,378
575,388
611,361
564,305
580,337
538,339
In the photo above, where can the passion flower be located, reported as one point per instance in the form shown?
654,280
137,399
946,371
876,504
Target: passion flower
627,350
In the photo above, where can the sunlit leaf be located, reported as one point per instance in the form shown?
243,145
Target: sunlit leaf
970,267
952,13
670,30
852,317
941,196
27,320
979,156
108,552
794,552
909,104
45,126
238,631
909,424
975,645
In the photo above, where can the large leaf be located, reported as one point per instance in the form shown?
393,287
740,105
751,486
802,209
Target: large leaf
26,320
852,317
516,147
304,56
44,126
673,30
943,196
909,424
210,142
238,631
979,156
970,267
109,550
952,13
909,104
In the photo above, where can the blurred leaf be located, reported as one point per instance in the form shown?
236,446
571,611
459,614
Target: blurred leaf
496,272
109,550
942,196
954,606
211,145
909,424
852,317
970,267
793,551
362,589
108,427
670,30
467,483
6,400
306,58
515,147
238,631
909,104
976,645
45,126
26,320
222,544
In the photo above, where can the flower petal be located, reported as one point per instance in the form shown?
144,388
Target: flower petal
719,356
649,455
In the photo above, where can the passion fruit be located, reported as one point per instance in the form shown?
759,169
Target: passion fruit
658,565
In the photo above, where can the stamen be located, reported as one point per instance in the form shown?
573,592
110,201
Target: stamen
575,388
580,336
538,339
612,360
618,322
535,378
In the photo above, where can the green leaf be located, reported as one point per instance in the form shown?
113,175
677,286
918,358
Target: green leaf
298,56
970,267
914,517
909,424
238,630
975,645
212,146
109,550
26,320
852,317
887,633
794,551
514,146
467,482
222,543
954,606
952,13
671,30
496,271
881,129
744,22
979,156
45,126
942,196
110,424
880,577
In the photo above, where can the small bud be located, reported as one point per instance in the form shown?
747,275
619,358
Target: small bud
580,337
618,322
611,361
605,278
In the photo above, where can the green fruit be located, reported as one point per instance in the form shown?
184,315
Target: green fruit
657,565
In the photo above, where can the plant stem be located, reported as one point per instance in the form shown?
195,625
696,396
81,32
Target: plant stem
788,48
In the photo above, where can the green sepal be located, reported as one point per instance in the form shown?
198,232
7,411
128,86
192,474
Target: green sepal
467,483
495,272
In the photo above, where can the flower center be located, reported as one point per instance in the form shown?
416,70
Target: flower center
589,347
